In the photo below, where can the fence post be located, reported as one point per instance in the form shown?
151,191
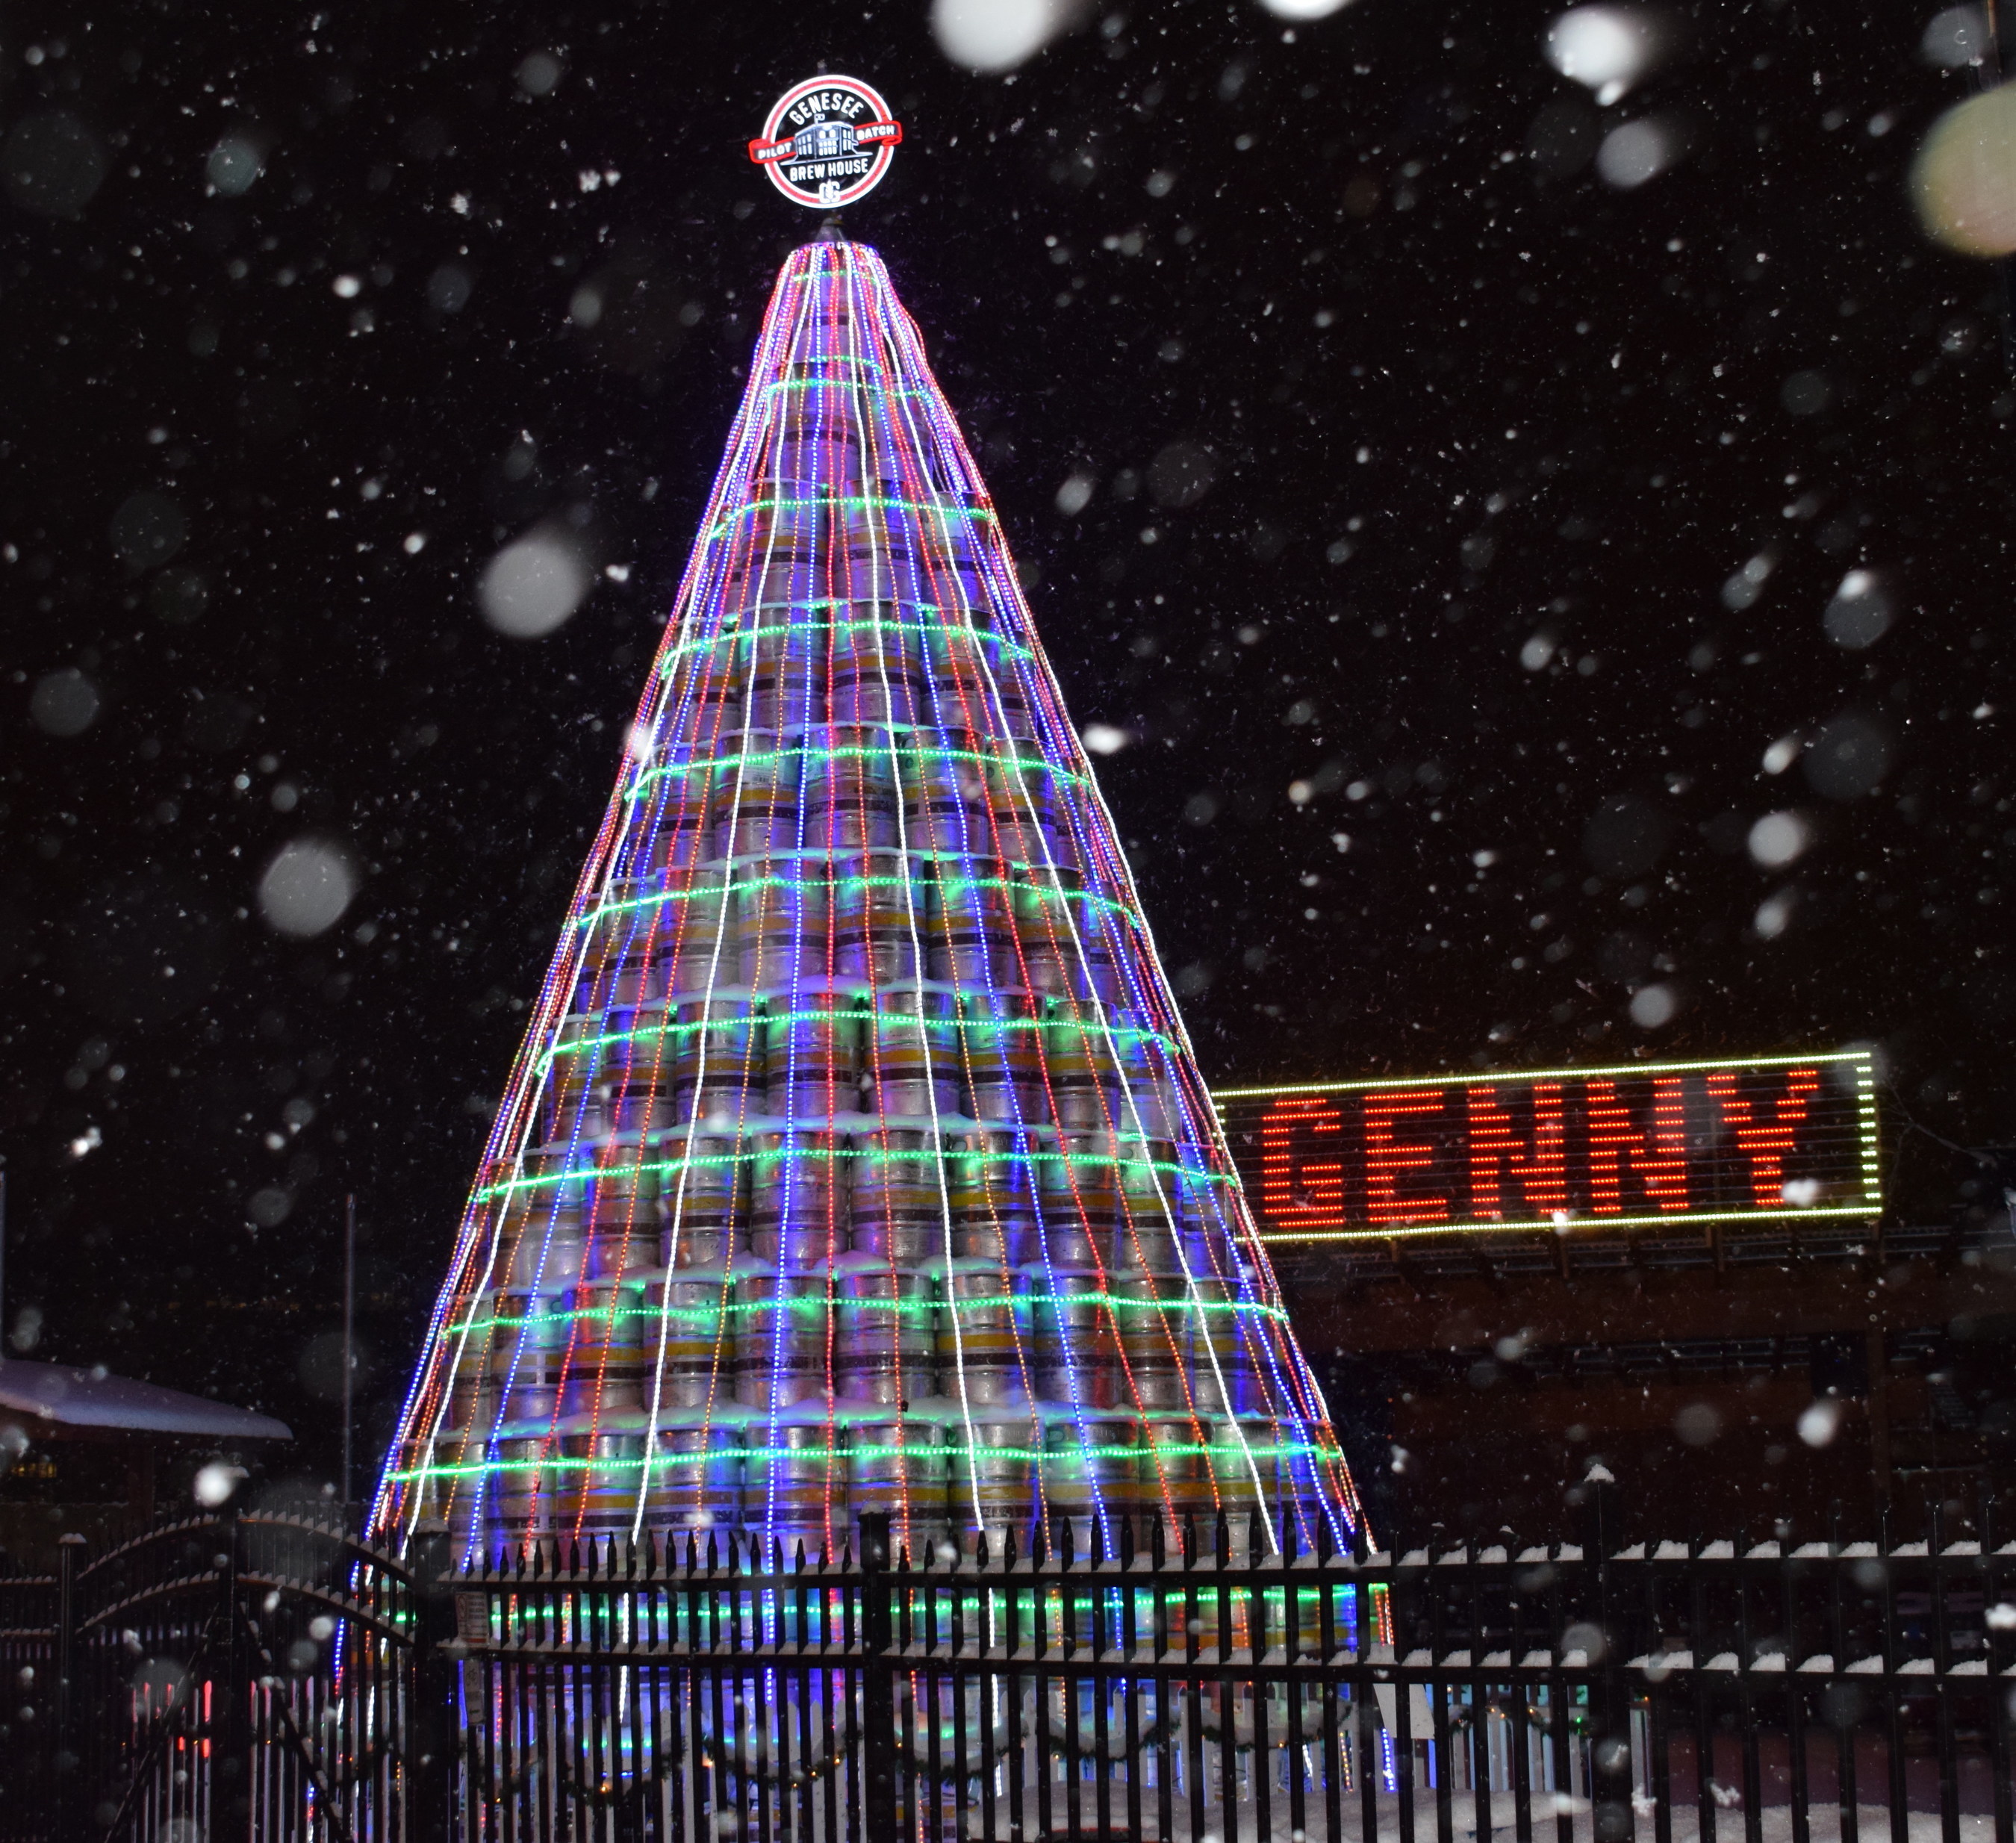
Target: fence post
231,1764
1610,1694
65,1757
434,1741
878,1684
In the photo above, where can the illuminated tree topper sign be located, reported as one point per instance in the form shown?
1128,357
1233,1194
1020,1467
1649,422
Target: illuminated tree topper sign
828,142
1645,1144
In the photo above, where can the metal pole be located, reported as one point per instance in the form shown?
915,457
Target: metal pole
430,1784
349,1338
880,1794
68,1760
3,1263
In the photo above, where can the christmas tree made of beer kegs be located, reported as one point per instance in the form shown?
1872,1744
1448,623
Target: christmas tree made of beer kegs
856,1157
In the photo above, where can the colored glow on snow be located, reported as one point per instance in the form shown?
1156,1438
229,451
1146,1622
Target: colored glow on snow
856,1156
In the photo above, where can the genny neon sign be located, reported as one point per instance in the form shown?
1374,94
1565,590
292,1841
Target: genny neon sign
1771,1137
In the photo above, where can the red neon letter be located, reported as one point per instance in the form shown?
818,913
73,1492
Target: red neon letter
1614,1142
1308,1198
1542,1169
1385,1158
1764,1146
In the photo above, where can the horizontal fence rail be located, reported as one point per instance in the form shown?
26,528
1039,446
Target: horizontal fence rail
248,1677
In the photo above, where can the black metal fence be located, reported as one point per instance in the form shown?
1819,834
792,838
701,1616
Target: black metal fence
251,1677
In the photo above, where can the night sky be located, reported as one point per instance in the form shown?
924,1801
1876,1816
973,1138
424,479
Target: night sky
1454,532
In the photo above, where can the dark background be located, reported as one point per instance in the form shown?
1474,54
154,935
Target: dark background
1541,414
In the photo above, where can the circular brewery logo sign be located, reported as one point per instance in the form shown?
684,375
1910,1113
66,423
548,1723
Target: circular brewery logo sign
828,142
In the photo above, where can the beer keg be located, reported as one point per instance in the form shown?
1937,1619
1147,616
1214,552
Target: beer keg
686,1327
993,1465
520,1488
999,1051
609,1328
756,796
794,1478
694,935
1074,1342
797,1215
878,919
1154,1327
681,835
784,689
984,1321
621,921
581,1060
693,1476
717,1056
1146,1237
702,1198
624,1194
812,1057
896,1207
781,1322
1091,1462
781,919
1224,1372
473,1403
592,1397
883,1319
1174,1473
875,680
544,1257
637,979
941,806
850,791
644,1104
779,569
911,1052
597,1478
897,1464
993,1198
1081,1185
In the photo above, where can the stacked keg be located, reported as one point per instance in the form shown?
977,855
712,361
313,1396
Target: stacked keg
849,785
694,1464
992,1197
876,929
812,1056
